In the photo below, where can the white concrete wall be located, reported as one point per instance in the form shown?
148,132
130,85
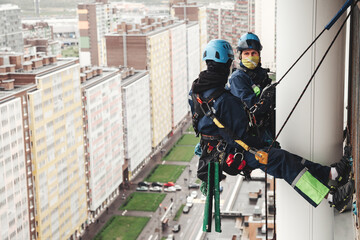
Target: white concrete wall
265,29
178,73
137,122
193,52
315,129
14,214
105,137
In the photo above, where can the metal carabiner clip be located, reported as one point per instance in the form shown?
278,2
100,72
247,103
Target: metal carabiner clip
241,156
221,146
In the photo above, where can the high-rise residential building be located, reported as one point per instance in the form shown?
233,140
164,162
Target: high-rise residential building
147,47
179,78
229,21
193,52
11,31
265,29
193,12
46,47
56,143
17,212
137,120
93,25
37,30
104,151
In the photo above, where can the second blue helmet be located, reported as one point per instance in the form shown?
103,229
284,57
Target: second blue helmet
249,41
219,51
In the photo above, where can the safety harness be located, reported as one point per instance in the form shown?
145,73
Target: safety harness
202,107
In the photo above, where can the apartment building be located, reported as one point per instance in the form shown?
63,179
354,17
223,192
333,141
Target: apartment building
17,212
11,31
46,47
147,47
193,12
193,52
137,120
56,143
93,25
37,30
103,138
178,56
229,21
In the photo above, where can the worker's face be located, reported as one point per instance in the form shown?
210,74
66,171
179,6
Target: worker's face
249,53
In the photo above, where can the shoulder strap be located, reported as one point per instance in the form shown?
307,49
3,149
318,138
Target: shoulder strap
198,110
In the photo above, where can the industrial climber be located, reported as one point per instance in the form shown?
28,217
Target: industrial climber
248,82
221,120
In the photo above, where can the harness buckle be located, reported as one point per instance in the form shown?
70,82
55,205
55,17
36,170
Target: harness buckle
221,146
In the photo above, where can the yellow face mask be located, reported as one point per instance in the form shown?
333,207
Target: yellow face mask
251,62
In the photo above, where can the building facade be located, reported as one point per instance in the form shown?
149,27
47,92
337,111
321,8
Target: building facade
147,47
179,72
230,21
57,147
137,121
93,25
14,185
193,12
53,143
104,135
193,52
11,30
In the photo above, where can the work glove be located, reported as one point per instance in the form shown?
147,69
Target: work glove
268,92
198,150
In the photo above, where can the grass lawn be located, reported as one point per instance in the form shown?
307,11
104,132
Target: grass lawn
143,202
179,212
188,139
180,153
122,227
190,129
165,173
71,51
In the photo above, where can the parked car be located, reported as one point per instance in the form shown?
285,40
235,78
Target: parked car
177,187
142,188
156,184
155,189
194,194
189,204
169,184
193,185
176,228
145,184
186,209
170,237
189,199
170,189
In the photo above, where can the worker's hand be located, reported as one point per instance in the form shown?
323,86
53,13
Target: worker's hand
268,92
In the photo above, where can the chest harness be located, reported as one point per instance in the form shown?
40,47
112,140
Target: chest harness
202,107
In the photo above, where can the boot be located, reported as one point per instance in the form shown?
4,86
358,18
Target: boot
344,171
342,196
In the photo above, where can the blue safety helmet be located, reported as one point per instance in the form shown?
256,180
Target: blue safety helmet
249,41
219,51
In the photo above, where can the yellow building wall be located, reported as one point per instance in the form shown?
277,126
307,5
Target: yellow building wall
58,156
160,85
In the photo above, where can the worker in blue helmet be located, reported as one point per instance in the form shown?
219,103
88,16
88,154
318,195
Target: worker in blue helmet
248,82
211,104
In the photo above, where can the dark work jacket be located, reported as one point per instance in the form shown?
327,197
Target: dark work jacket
240,84
231,113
